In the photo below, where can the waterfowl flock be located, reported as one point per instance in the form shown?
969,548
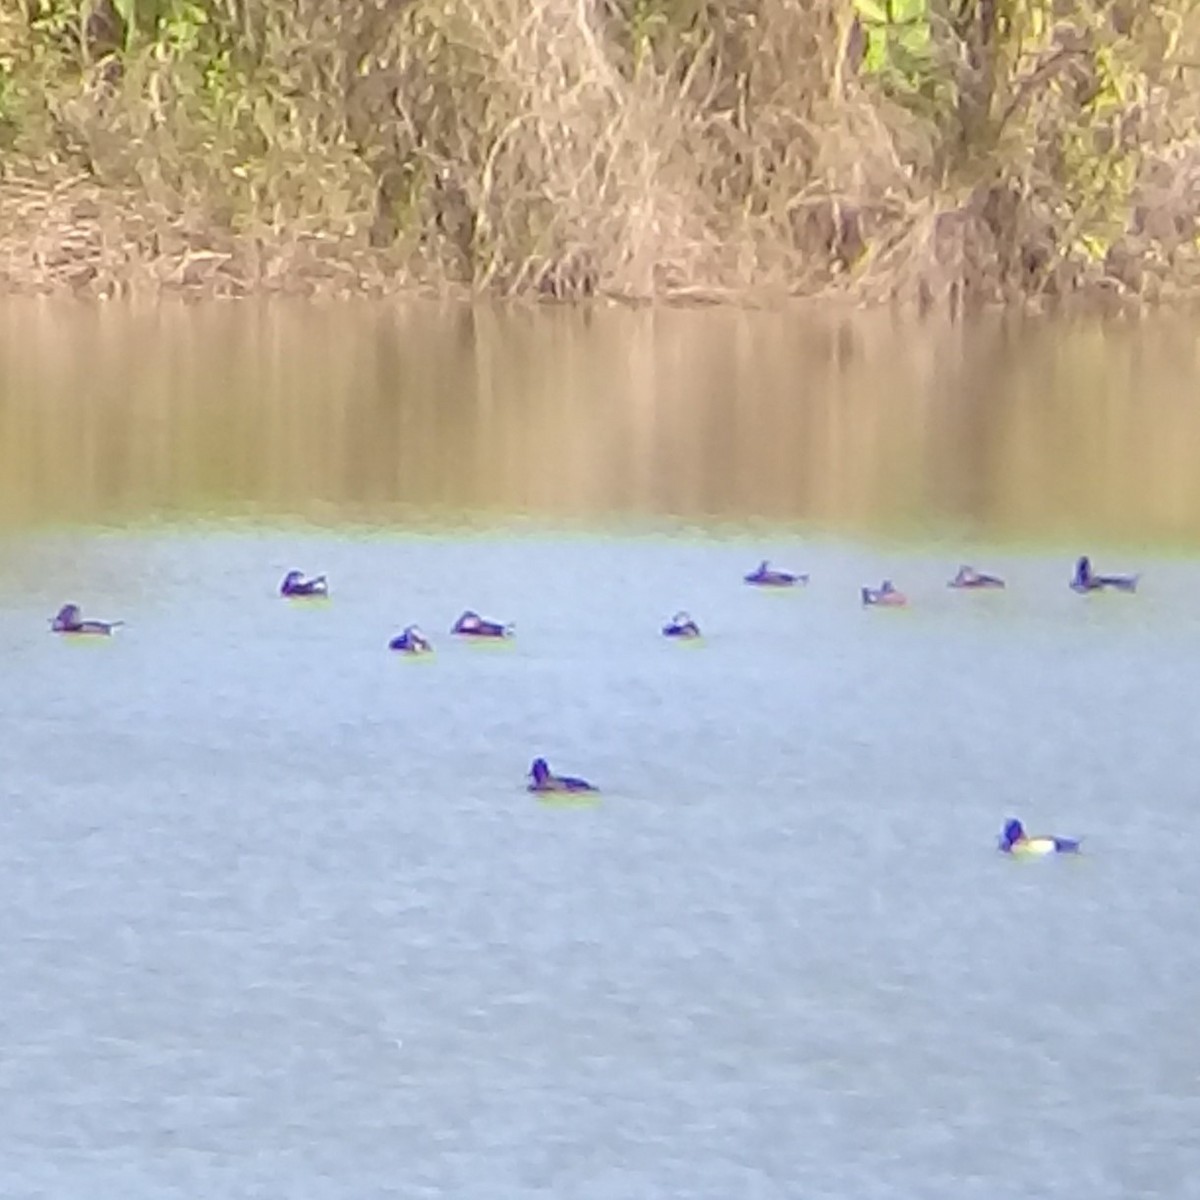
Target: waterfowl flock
69,622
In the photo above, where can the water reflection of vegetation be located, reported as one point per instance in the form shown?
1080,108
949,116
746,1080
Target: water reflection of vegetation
1009,427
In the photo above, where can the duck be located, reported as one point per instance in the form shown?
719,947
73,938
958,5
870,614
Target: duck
411,641
764,575
1085,581
543,780
885,595
295,584
1014,840
968,577
68,619
681,625
471,624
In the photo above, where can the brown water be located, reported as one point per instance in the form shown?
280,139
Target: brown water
1002,429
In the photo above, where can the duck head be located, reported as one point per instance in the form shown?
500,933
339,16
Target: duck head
1083,571
1013,833
291,580
540,771
67,617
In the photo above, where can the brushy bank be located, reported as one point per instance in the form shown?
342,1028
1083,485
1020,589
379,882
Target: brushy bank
942,151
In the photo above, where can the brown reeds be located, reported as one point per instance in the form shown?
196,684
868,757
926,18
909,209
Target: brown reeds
638,149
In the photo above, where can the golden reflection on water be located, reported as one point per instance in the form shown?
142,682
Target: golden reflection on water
1000,428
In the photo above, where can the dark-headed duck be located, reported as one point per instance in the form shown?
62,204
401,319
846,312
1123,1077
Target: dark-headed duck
968,577
541,779
1014,840
884,596
295,584
766,576
1085,581
69,620
411,641
471,624
681,626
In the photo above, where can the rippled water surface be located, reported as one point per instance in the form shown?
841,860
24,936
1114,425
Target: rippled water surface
278,918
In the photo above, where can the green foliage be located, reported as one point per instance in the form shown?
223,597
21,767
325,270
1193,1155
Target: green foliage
8,103
126,10
898,35
54,23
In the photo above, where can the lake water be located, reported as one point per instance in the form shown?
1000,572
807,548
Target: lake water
277,917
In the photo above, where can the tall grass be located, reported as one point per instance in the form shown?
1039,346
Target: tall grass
945,151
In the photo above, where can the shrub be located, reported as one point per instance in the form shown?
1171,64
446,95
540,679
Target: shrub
945,151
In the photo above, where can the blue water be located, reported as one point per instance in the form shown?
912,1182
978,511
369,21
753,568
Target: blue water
277,917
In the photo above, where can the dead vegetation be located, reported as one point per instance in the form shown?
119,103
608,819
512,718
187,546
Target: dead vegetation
941,152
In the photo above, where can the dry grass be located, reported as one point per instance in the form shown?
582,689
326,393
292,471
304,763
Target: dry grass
636,149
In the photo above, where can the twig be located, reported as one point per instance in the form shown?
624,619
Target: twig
1034,79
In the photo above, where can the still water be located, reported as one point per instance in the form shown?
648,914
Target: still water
277,916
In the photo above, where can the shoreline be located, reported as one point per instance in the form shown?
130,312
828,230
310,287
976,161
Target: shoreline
67,237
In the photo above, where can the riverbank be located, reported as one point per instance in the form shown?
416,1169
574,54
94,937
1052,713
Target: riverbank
69,236
744,150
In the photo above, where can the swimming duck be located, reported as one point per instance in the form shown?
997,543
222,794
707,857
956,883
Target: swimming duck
471,624
968,577
884,595
541,780
765,576
411,641
294,584
681,626
1014,840
69,620
1084,581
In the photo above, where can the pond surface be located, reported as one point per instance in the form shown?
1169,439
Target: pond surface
278,918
